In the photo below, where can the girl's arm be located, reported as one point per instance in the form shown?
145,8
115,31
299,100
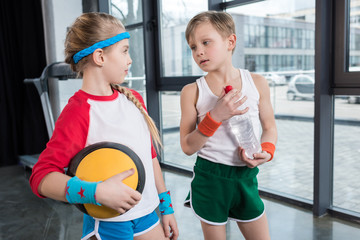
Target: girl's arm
169,222
111,192
53,185
191,139
159,180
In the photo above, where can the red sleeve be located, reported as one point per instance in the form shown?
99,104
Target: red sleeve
68,138
139,97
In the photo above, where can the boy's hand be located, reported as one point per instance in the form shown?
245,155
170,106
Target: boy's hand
170,226
227,105
259,158
115,194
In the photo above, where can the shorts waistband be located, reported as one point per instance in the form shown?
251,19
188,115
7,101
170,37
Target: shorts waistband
226,171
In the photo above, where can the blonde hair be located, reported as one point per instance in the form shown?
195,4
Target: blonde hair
150,122
88,29
221,21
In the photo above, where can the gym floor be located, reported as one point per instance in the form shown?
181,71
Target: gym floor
25,216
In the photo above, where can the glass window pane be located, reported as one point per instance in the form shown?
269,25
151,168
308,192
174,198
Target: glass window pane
170,106
176,54
67,89
354,36
136,76
346,149
128,11
287,62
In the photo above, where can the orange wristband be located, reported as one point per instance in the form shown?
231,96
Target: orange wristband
268,147
208,126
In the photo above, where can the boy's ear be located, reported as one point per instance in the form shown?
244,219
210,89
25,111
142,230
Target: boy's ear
98,57
232,42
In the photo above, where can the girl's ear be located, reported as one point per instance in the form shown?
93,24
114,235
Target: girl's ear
98,57
232,42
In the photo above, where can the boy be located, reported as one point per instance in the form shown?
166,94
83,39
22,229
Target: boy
224,185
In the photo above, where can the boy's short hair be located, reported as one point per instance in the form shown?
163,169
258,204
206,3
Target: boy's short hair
221,21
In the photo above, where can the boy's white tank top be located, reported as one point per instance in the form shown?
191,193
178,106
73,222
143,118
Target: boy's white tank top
222,147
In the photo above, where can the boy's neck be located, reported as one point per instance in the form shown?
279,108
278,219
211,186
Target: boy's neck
225,74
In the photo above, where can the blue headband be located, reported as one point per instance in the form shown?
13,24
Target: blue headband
105,43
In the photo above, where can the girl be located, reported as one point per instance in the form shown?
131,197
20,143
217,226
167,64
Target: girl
224,184
97,47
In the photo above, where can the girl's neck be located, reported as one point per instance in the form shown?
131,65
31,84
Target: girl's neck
97,91
95,85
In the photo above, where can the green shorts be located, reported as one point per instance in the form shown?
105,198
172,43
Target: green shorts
221,192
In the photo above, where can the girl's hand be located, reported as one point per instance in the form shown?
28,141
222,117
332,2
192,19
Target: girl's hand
115,194
227,105
259,158
170,226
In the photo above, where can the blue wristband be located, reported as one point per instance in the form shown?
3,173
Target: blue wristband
79,191
165,206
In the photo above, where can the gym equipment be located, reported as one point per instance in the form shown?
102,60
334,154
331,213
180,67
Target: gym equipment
57,70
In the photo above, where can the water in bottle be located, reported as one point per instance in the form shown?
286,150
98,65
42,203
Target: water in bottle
242,128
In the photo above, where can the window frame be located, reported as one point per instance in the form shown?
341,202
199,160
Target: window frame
345,82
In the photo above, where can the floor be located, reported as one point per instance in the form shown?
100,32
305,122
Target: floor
292,170
25,216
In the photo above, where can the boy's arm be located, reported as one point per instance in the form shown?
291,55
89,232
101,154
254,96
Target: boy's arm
267,119
191,139
266,112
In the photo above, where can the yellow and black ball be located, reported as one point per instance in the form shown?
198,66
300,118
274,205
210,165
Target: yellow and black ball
100,161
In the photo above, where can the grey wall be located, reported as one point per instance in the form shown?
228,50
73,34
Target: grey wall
57,16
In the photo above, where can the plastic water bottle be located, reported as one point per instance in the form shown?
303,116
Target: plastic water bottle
242,128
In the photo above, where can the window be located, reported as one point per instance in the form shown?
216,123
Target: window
290,76
281,46
130,14
347,108
346,186
128,11
347,72
176,61
174,18
354,38
277,41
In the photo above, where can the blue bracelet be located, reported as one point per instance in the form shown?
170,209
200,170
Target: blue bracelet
165,206
78,191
